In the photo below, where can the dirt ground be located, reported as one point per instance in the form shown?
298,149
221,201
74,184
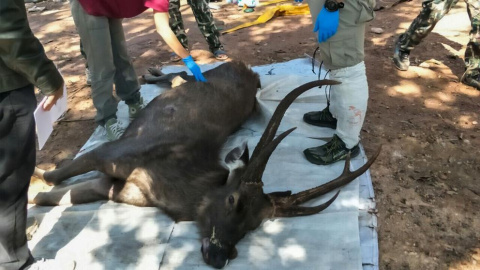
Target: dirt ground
425,179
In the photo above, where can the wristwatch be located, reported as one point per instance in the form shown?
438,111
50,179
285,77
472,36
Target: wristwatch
332,5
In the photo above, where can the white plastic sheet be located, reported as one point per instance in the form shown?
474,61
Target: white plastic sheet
107,235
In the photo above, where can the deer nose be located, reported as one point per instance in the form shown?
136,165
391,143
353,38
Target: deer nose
204,249
213,255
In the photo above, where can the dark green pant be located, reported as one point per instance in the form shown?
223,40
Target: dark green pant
17,161
432,12
204,19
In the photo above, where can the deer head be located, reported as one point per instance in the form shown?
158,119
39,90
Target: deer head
227,214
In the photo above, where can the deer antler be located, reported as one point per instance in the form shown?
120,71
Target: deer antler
259,159
258,164
287,206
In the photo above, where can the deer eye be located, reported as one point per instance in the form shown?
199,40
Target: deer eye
231,200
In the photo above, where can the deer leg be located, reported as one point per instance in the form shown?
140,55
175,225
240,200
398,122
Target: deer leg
129,193
101,159
165,78
155,71
80,165
99,189
85,192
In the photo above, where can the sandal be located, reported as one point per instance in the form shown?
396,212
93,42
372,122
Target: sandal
174,57
220,54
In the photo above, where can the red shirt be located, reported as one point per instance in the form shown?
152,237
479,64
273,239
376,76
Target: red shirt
122,8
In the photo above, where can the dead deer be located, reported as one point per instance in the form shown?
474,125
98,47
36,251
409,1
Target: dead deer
169,158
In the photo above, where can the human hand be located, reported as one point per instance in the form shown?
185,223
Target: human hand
194,68
326,24
52,99
298,1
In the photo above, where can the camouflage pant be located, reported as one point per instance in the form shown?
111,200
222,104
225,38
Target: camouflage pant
204,19
432,12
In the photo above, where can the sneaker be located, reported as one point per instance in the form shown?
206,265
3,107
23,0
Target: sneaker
321,118
471,78
401,59
52,264
88,76
114,129
331,152
135,108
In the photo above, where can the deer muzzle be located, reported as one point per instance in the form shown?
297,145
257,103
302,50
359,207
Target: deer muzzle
216,255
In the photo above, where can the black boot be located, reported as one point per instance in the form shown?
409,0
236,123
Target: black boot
331,152
471,78
401,58
321,118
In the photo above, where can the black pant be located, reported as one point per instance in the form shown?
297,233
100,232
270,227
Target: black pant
17,161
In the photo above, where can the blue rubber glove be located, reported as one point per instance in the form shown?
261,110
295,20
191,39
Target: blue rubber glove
194,68
326,24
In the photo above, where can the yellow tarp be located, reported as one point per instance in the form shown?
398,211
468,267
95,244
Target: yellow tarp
282,10
261,4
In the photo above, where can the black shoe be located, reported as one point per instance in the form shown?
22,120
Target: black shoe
331,152
321,118
401,58
471,78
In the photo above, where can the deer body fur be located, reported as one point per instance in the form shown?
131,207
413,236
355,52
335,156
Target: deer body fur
169,156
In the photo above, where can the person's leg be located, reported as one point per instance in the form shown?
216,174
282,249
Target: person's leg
422,25
94,32
17,143
82,52
176,24
88,76
471,76
349,102
349,106
207,26
323,118
126,83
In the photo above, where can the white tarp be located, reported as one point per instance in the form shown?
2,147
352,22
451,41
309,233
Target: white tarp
107,235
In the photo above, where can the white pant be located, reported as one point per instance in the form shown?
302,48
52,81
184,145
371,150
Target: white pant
348,102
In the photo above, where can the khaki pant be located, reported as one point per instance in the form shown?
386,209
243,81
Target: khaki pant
346,47
104,44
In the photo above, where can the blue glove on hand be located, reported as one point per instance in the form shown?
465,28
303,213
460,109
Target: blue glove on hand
194,68
326,24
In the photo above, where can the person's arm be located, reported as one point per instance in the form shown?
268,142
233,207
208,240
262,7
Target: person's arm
21,51
164,30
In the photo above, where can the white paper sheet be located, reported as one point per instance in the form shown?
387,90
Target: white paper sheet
45,119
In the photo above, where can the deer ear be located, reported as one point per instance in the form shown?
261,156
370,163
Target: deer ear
238,154
236,161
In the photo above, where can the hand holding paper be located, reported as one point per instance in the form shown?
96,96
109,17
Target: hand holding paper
47,112
48,103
